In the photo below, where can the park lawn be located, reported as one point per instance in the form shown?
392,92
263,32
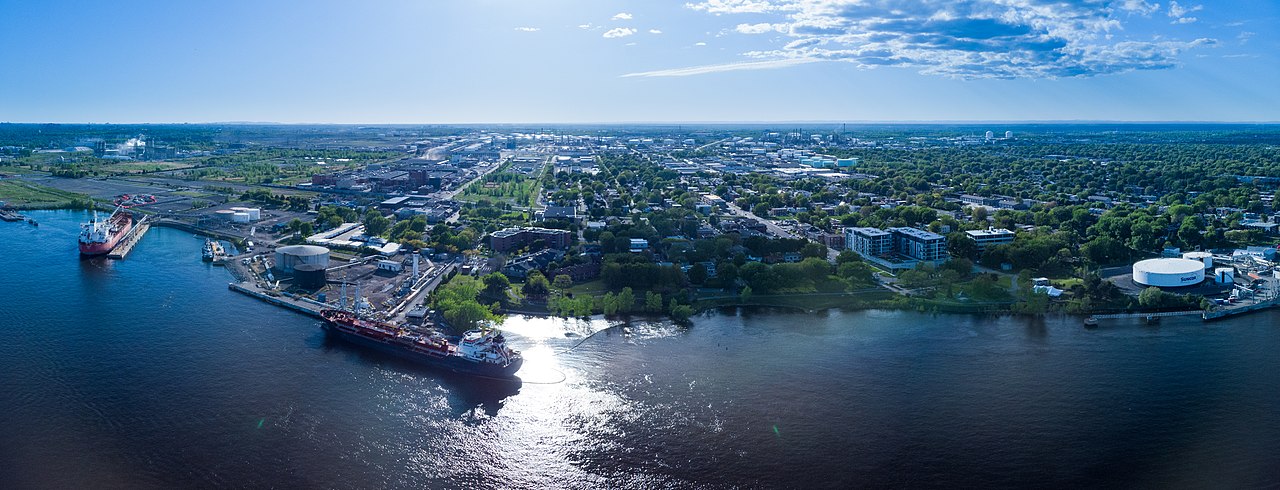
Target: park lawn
591,288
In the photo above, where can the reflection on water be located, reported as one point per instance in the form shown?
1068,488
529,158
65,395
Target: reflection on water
149,373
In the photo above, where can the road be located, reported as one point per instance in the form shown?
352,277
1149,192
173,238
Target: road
769,225
447,195
415,297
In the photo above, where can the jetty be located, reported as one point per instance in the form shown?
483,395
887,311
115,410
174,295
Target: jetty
126,244
280,298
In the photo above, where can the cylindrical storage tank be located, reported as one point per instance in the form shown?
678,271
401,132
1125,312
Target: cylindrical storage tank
224,214
239,217
1168,273
239,209
255,214
287,258
1224,275
1204,257
309,276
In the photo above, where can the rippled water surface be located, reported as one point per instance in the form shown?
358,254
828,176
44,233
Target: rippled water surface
149,373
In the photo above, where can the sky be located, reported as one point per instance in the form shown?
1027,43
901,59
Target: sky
634,61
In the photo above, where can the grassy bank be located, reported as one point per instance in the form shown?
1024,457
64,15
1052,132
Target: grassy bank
20,194
877,298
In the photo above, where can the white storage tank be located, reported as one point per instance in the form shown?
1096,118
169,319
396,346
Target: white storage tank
239,217
224,214
255,214
293,255
1203,257
1168,273
1224,275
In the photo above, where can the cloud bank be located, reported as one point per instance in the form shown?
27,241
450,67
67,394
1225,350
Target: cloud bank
967,39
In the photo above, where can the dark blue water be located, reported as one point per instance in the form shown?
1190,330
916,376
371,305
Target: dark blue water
149,373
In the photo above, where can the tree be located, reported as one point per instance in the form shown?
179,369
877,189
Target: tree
467,315
562,282
609,304
698,273
652,302
960,244
496,284
626,300
745,294
813,249
375,224
536,285
979,214
857,273
1151,297
846,256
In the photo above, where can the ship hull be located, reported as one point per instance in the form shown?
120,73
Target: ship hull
89,249
447,362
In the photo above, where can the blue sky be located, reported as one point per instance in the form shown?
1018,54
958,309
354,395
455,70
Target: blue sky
478,61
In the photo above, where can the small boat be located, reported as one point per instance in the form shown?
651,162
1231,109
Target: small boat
1091,322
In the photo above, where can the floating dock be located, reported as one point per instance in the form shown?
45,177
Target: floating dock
126,244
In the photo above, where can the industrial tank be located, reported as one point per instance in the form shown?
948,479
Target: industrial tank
287,258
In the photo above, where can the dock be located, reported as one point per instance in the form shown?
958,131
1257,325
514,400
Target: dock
126,244
1221,313
300,305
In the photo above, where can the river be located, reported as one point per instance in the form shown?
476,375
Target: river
150,373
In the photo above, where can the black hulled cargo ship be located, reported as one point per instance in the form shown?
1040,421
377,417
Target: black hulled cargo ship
477,352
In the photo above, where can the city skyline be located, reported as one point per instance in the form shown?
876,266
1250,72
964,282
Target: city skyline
573,62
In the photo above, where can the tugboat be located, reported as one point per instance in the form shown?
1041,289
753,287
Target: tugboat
212,251
481,352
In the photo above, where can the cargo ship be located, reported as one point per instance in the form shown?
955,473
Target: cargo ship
478,352
98,237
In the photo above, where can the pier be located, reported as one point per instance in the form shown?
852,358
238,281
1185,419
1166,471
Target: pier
300,305
126,244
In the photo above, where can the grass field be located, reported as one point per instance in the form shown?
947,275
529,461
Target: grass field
26,195
139,167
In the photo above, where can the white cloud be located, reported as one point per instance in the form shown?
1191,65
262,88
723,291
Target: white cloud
702,70
654,31
1179,13
619,32
699,44
760,28
528,29
734,6
1244,36
1140,6
965,38
622,16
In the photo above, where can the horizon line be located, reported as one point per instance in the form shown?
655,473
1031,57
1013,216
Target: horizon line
668,123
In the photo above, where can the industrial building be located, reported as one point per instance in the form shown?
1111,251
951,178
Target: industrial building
290,257
1168,273
514,238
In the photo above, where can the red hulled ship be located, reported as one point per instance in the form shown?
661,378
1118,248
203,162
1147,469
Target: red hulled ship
98,237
